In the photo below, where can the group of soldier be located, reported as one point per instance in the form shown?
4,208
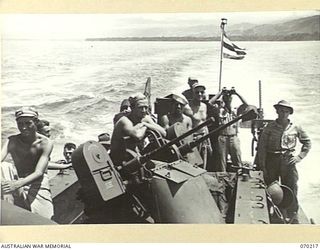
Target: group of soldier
276,146
30,150
189,110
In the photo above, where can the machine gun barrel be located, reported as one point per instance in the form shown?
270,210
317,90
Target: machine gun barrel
144,158
249,115
190,132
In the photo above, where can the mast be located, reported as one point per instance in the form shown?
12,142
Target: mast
261,115
223,23
147,92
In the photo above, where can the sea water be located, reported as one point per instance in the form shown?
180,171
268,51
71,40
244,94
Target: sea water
78,86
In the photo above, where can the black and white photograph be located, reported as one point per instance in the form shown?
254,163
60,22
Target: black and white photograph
160,118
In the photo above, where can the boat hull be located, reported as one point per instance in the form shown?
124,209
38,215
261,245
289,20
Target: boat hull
187,202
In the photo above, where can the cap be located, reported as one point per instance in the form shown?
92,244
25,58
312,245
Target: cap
179,99
197,84
284,103
138,99
26,112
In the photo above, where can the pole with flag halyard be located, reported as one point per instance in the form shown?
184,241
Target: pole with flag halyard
147,92
223,23
228,49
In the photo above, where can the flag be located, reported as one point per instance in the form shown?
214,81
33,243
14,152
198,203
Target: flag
232,51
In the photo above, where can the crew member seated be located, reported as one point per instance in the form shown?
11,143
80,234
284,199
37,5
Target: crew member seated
133,126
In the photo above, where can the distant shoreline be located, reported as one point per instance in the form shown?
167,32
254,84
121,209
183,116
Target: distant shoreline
181,39
297,37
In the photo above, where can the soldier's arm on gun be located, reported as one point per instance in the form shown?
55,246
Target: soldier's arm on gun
40,168
138,131
150,124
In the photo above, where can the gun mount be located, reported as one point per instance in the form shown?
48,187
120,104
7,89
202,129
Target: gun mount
109,198
185,148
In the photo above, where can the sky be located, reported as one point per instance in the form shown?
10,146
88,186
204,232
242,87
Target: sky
81,26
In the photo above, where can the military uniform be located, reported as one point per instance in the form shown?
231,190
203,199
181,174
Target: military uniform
275,149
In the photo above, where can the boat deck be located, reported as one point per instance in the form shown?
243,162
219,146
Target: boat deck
68,208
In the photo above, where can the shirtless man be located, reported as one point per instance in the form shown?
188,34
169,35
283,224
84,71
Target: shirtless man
30,152
197,110
133,126
176,114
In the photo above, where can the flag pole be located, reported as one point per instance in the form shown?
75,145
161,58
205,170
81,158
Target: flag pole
223,23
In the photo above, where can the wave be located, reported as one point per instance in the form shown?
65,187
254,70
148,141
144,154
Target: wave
65,101
96,104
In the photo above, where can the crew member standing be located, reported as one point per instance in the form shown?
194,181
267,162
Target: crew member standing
197,111
276,148
188,93
176,114
228,141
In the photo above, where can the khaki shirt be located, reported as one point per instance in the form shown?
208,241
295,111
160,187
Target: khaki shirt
275,138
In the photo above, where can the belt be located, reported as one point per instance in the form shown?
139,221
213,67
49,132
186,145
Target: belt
229,135
281,151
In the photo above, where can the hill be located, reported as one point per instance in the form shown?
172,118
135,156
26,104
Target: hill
302,29
307,28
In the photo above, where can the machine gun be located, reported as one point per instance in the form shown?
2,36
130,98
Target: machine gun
96,171
187,147
172,184
91,159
